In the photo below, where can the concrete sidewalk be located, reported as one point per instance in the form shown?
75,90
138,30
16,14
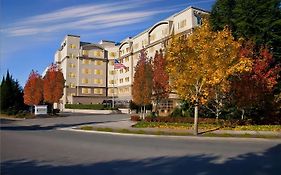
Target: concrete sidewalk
128,125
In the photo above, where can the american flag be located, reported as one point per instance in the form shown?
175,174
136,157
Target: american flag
118,65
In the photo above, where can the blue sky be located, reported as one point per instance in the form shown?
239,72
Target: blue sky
32,30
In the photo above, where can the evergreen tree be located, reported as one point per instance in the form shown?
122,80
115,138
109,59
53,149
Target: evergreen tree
11,95
259,21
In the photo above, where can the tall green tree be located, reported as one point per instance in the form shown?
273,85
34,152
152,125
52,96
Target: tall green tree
11,95
257,20
142,85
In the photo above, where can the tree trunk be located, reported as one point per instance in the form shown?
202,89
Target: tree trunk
243,113
196,119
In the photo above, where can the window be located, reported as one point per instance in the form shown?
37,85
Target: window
126,59
71,65
127,79
127,49
86,61
72,46
71,75
112,72
112,54
127,69
111,81
121,71
98,72
121,80
85,52
86,71
71,55
72,85
98,81
98,62
97,53
98,91
111,62
198,20
85,81
86,90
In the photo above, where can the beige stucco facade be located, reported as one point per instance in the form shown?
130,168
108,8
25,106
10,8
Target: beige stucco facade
89,68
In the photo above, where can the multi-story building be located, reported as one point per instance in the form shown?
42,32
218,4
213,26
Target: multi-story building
89,71
85,69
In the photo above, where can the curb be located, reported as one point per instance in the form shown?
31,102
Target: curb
200,137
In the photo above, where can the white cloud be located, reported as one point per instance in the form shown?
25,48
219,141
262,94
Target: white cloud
85,17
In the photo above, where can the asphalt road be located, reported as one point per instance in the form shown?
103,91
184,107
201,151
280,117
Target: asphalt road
38,147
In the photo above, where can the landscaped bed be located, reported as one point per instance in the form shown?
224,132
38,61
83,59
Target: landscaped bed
143,124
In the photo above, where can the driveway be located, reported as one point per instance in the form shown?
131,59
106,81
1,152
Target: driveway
37,147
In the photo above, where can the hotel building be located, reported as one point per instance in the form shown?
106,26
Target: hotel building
88,68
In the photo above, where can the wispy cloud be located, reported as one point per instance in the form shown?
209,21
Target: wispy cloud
85,17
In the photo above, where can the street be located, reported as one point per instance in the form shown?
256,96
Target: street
37,147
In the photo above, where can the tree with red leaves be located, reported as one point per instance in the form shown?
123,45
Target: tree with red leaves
33,89
254,89
53,84
160,79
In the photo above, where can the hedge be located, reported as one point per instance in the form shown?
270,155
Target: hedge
85,106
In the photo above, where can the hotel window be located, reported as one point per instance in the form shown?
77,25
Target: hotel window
126,59
86,71
121,80
86,61
98,72
72,85
71,65
127,79
111,62
71,75
98,62
85,52
97,53
112,72
98,81
72,46
85,81
71,55
86,90
98,91
112,54
121,71
111,81
127,69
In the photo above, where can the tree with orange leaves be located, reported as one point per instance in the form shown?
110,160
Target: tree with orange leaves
33,89
142,85
53,84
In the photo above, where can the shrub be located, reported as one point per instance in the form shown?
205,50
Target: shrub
135,118
177,112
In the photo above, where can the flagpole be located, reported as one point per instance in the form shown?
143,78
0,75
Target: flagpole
113,85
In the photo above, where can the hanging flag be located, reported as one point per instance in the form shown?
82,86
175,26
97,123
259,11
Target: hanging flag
118,65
